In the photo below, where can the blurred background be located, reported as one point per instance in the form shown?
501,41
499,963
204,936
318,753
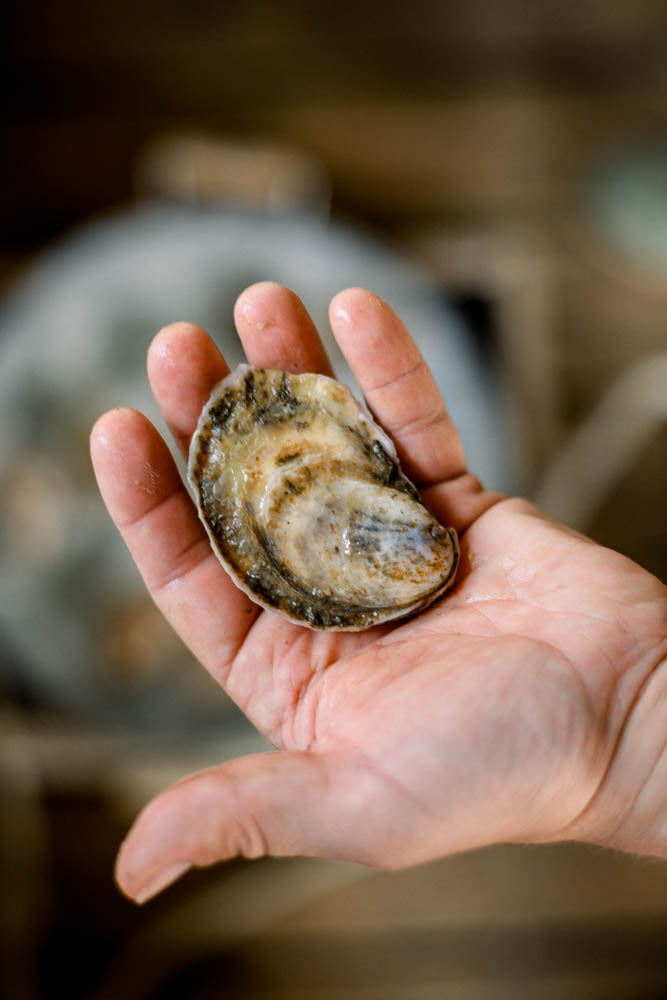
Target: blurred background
498,171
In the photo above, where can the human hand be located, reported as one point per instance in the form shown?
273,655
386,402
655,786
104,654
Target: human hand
529,704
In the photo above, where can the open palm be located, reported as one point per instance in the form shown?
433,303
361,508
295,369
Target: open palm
528,704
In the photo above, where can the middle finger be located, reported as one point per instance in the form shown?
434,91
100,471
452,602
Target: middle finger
184,364
277,332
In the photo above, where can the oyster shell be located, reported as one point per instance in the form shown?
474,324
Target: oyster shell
306,506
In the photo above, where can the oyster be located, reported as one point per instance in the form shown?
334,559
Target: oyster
306,506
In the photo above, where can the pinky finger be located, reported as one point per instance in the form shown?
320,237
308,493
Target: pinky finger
152,510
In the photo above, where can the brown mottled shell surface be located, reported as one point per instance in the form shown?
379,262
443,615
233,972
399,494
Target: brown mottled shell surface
306,506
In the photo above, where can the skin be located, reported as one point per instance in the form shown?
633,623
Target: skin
527,705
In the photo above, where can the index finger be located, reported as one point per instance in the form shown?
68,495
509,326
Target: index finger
398,386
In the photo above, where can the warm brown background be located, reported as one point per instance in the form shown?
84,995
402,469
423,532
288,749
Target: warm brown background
463,133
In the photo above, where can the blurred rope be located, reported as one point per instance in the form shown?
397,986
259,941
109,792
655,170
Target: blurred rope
604,446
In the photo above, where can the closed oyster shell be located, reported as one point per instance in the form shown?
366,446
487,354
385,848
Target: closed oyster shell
306,506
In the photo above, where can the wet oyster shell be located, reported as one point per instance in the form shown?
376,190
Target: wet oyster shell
306,506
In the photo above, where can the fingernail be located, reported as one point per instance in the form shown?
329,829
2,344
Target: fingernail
161,881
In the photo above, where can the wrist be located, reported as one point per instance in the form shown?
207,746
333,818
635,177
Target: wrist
629,809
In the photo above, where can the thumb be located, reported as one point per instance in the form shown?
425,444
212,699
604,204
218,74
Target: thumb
279,803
